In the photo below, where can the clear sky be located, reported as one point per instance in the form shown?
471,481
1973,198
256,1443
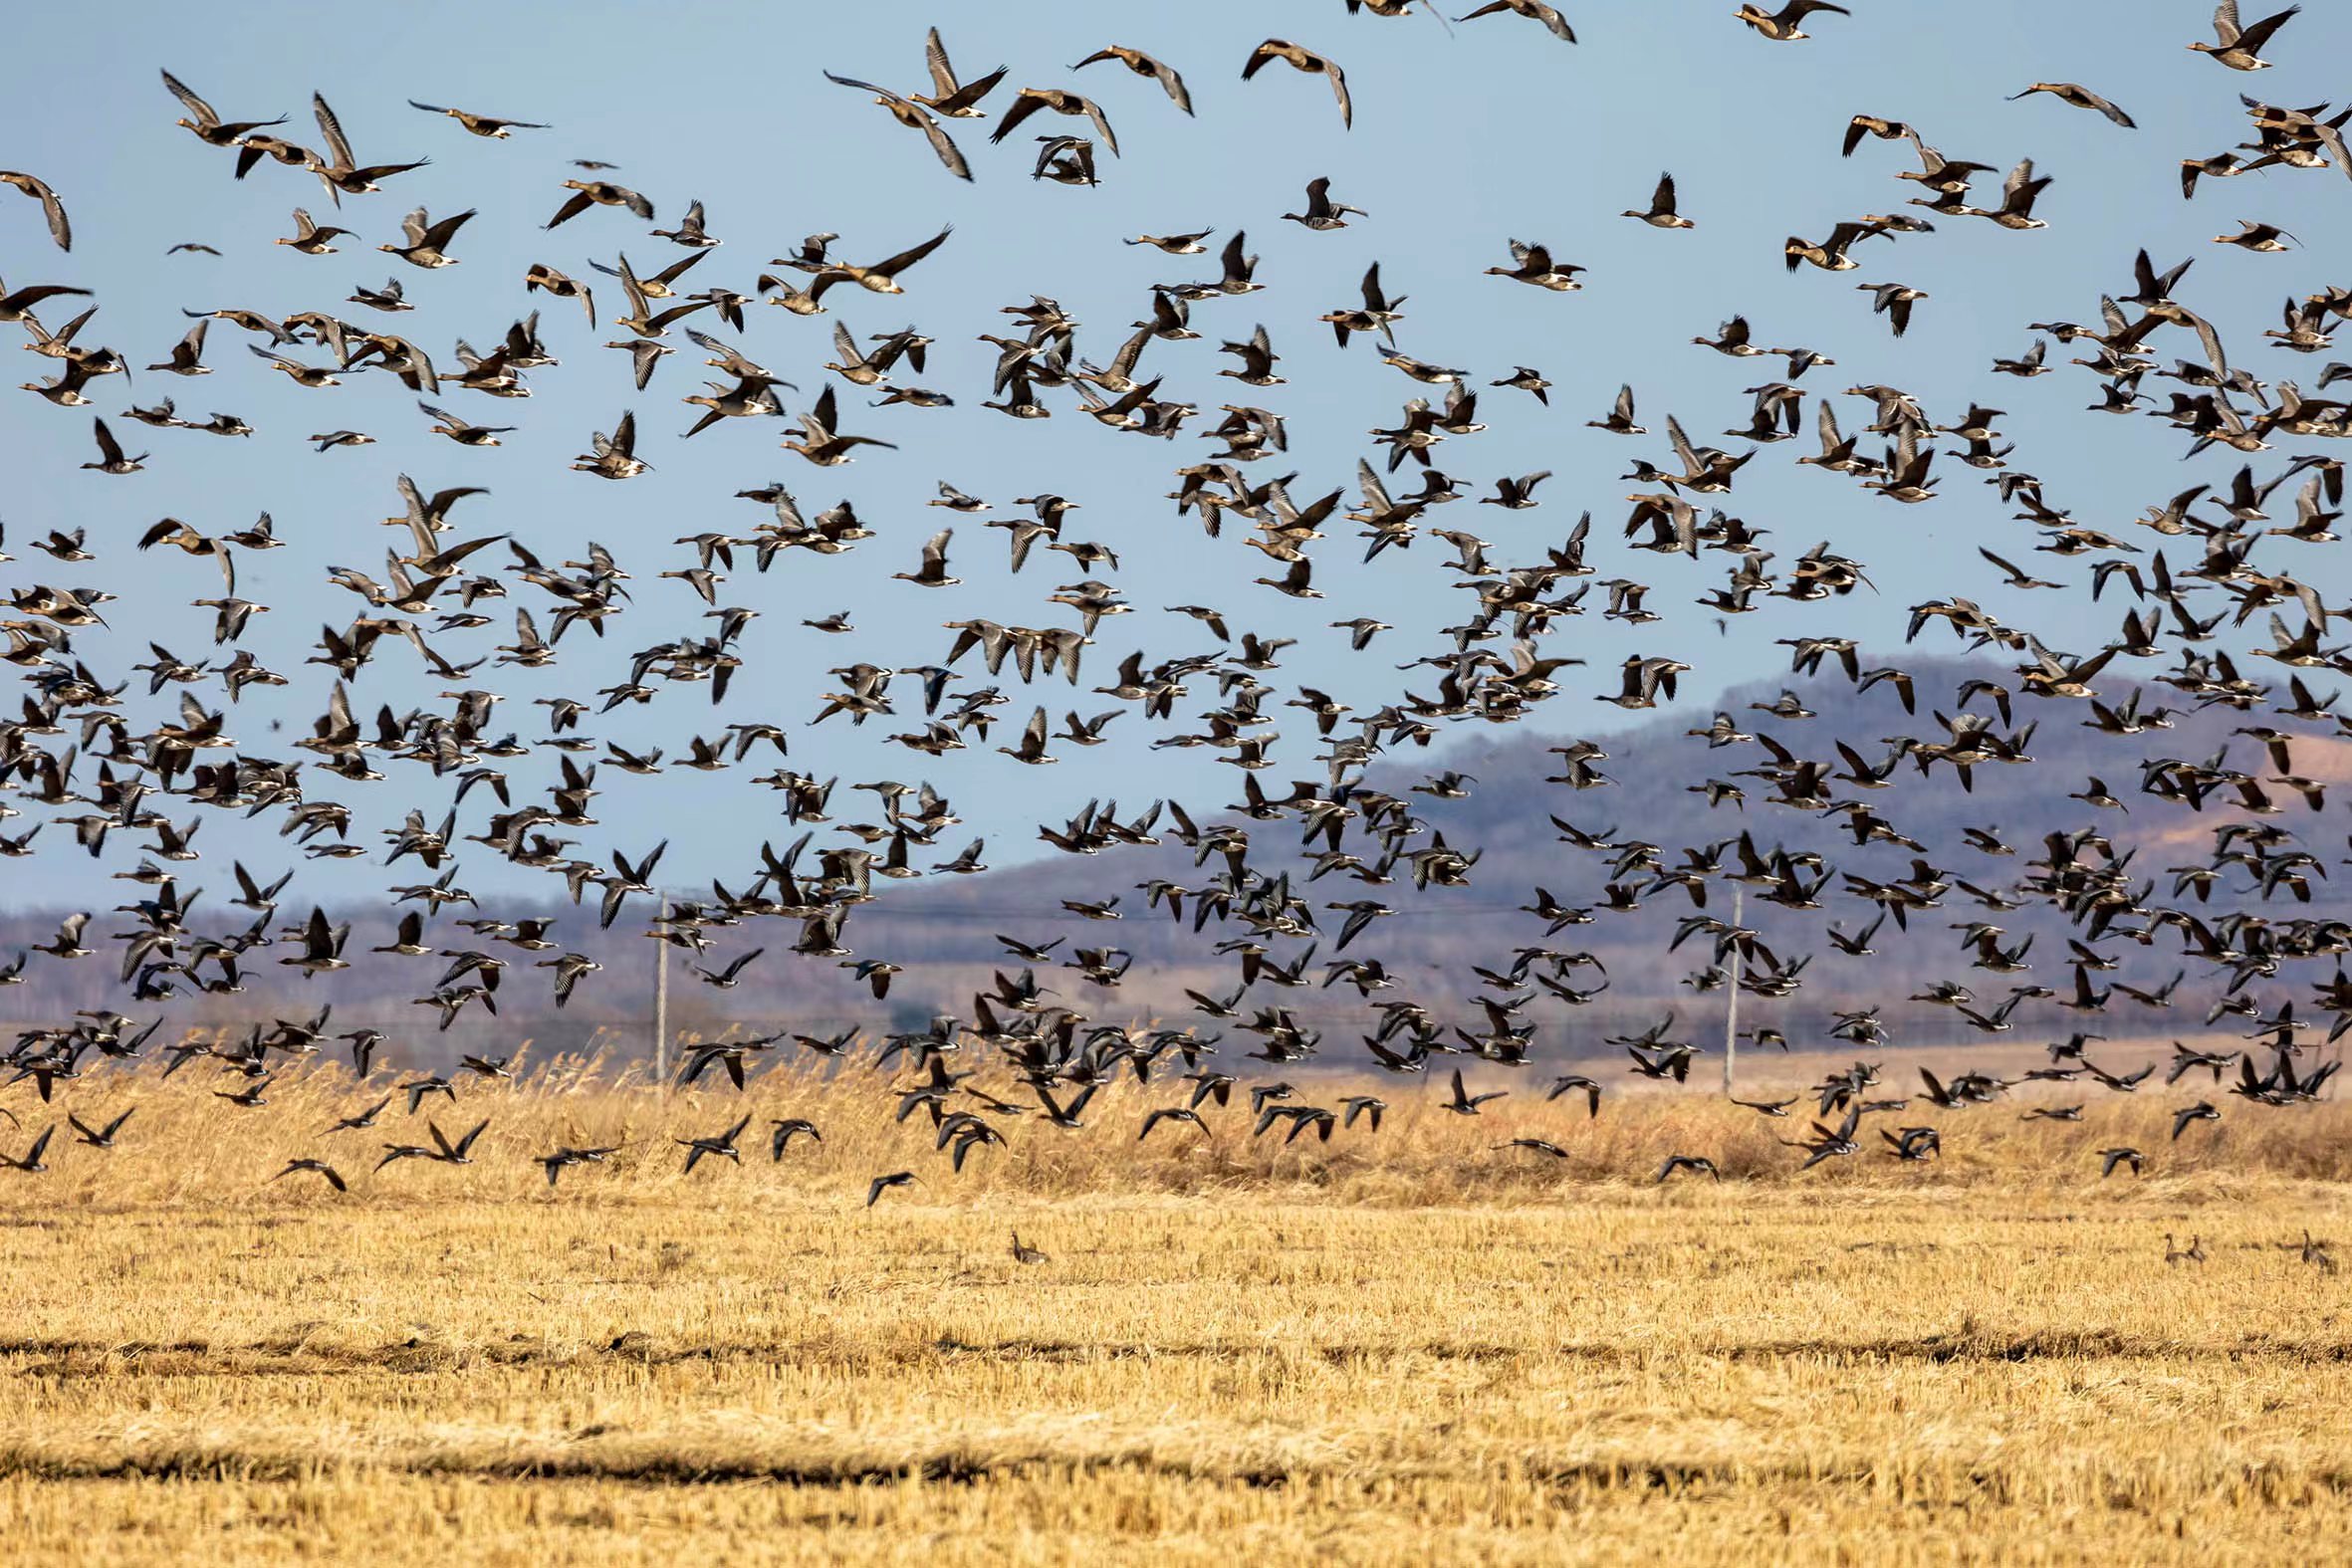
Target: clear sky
1465,136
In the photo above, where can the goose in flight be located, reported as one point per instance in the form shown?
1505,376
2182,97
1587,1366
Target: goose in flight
1029,99
556,1164
333,1177
1143,65
947,97
101,1137
599,194
1661,213
785,1131
61,230
2236,46
723,1145
1463,1103
1307,60
1781,26
1532,10
882,1184
110,459
492,126
427,243
2080,97
340,173
914,117
208,127
613,456
442,1151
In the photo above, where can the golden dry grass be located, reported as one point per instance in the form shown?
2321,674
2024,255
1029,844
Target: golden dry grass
1412,1347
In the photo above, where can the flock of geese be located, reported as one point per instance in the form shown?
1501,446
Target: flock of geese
115,763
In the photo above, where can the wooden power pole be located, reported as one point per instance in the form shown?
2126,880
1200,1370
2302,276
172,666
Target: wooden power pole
1731,1017
661,1001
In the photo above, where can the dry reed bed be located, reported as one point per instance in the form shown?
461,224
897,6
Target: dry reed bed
187,1143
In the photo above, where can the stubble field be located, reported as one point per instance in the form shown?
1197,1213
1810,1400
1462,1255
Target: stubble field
1408,1346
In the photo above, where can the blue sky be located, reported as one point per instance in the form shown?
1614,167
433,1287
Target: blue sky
1465,136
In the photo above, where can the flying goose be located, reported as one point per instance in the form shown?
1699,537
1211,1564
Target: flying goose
1300,59
1143,65
1532,10
2079,97
1781,26
1661,213
489,126
723,1145
208,127
882,1184
947,97
427,244
342,174
2236,46
53,211
1029,99
914,117
333,1178
594,193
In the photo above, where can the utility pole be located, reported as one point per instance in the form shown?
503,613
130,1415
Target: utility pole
661,1001
1731,1017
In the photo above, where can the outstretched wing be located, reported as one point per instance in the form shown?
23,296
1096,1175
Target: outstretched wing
332,129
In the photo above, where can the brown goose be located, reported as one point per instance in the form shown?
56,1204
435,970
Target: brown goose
589,193
2236,46
1781,26
427,244
914,117
1143,65
882,275
51,209
490,125
209,126
1307,60
345,176
1029,99
1323,213
1661,213
957,101
1532,264
2079,97
333,1177
1532,10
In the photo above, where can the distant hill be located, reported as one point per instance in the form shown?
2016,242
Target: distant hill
943,929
